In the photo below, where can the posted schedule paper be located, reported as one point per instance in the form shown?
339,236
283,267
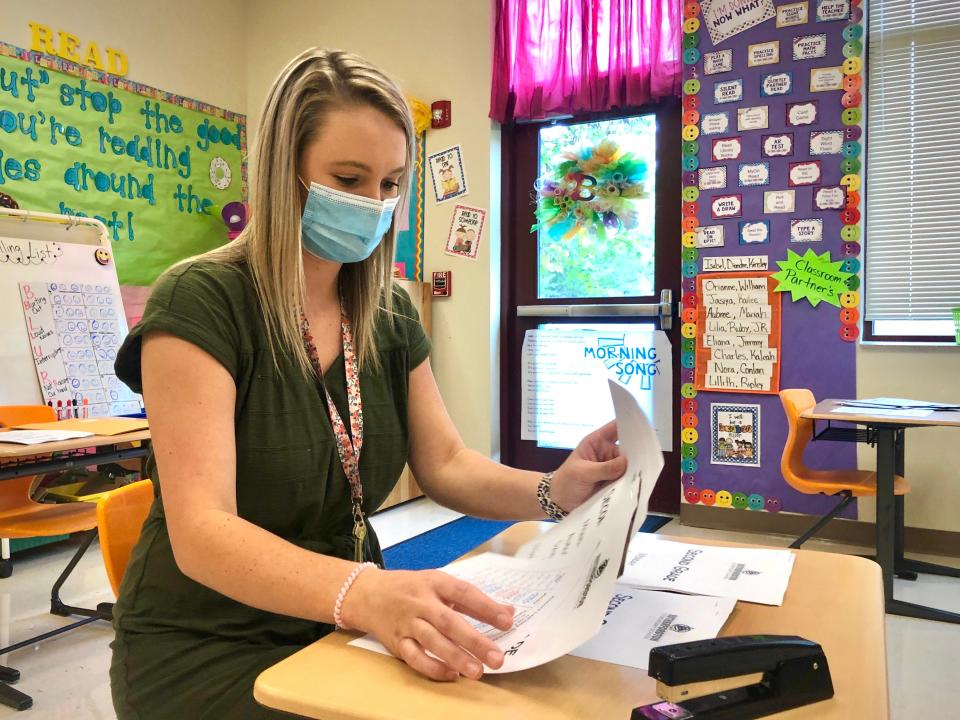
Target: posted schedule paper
752,574
562,581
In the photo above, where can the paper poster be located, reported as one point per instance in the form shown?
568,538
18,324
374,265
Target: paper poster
738,333
728,91
826,142
726,206
804,173
735,263
75,330
466,230
751,174
809,47
829,198
793,14
780,145
779,201
710,236
802,113
806,230
812,277
718,62
756,232
714,178
726,18
714,123
830,10
828,78
765,53
753,118
447,174
735,435
727,149
776,84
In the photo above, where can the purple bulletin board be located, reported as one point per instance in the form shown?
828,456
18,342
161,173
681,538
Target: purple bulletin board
741,56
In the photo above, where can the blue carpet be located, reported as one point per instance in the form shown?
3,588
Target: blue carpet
444,544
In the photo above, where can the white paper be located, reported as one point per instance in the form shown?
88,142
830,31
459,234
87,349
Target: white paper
892,412
561,582
755,575
639,620
33,437
564,376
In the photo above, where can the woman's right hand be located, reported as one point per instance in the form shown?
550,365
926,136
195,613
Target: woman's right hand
415,613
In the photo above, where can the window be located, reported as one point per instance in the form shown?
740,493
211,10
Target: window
913,178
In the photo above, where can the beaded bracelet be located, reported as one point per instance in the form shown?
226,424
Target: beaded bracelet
338,607
549,507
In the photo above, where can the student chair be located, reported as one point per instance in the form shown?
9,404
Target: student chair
22,517
120,517
845,484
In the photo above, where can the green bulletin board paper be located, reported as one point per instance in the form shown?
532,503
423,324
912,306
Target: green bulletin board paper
77,141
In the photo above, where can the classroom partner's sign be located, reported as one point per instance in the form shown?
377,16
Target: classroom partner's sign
726,18
811,276
155,168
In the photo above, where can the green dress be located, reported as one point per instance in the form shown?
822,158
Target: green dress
182,650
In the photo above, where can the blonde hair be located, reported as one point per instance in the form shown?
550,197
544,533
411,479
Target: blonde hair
312,84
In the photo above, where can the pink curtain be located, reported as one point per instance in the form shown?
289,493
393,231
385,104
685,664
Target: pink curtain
557,57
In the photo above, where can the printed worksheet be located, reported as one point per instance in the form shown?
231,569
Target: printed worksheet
561,582
751,574
639,620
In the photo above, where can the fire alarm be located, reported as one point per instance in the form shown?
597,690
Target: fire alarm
440,114
442,283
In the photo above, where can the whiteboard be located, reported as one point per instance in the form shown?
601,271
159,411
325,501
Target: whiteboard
49,275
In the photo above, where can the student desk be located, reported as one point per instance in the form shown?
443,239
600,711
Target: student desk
836,600
20,460
888,432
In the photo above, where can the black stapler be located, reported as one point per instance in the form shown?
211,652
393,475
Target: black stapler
736,678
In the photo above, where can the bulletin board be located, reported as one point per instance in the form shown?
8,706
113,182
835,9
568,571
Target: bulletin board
154,167
409,251
772,112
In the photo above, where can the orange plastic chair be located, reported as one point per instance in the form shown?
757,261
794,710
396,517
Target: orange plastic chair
847,484
120,517
23,517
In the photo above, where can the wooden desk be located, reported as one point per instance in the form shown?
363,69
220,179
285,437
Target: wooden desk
889,432
836,600
21,460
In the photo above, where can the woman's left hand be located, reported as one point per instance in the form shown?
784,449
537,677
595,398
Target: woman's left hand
594,463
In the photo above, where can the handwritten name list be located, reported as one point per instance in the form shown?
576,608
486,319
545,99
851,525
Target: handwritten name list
738,333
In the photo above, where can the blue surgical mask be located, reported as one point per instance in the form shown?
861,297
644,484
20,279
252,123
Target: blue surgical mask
343,227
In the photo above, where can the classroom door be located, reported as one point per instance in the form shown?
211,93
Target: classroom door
591,292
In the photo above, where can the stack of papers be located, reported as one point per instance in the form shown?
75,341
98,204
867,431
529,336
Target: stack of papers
564,584
92,426
751,574
34,437
897,407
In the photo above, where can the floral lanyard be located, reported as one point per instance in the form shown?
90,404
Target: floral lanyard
348,444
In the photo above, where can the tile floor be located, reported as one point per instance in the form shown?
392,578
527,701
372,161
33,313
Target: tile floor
68,676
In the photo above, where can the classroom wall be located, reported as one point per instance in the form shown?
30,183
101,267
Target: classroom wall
435,49
185,47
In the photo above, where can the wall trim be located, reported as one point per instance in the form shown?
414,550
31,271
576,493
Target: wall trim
854,532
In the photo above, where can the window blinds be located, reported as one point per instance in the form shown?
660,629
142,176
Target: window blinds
913,173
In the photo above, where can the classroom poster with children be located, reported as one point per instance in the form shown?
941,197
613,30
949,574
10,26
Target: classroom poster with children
466,229
447,174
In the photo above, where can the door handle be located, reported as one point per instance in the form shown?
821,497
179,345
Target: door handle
662,310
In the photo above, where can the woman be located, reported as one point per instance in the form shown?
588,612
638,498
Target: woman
268,367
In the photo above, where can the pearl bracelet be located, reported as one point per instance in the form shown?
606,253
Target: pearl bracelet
338,607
